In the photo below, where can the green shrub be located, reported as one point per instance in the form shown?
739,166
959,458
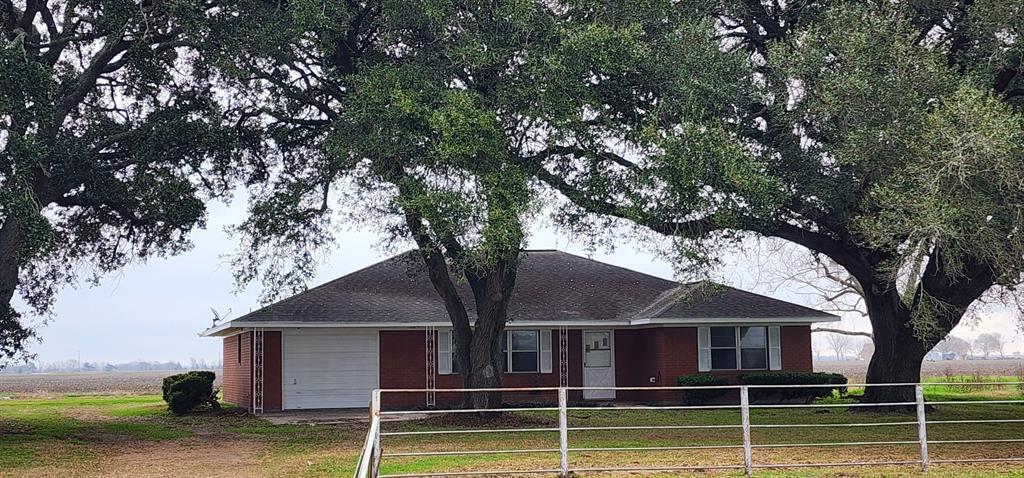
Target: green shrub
204,374
186,391
700,397
834,383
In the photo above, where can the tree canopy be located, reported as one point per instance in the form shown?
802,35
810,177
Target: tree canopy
430,116
111,141
886,136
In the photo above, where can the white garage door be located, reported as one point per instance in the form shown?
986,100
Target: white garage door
327,368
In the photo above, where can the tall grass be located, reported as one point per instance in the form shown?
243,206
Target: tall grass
1020,378
974,383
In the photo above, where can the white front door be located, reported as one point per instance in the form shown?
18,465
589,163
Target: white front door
598,364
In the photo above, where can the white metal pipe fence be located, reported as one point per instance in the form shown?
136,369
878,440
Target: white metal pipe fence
373,452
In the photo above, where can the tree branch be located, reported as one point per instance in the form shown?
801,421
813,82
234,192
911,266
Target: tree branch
843,332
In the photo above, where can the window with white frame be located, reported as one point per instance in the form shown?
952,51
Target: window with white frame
523,351
739,348
723,348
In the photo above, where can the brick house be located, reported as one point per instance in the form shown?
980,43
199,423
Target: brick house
573,322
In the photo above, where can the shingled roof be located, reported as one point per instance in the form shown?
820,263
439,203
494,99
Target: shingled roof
551,286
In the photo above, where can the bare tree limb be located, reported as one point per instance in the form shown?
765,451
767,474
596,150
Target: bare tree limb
843,332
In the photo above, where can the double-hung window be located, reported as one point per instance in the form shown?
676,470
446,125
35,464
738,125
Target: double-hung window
739,348
723,348
753,348
523,351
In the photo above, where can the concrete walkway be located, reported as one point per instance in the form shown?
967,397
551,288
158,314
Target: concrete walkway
333,416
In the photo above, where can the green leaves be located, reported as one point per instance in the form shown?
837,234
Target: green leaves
111,142
859,81
467,133
959,185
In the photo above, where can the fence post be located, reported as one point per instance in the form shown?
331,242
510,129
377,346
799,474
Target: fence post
922,425
563,431
375,417
748,449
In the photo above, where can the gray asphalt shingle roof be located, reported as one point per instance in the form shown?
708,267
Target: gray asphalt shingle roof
550,286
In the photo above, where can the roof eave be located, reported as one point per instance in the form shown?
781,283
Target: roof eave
227,328
735,320
216,330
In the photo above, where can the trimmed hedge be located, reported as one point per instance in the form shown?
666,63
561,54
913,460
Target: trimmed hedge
186,391
700,397
833,382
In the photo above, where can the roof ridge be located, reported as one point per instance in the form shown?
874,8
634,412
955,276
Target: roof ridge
270,307
626,269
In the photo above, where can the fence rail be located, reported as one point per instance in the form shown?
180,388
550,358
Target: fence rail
373,451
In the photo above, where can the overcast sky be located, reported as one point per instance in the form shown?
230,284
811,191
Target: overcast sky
155,310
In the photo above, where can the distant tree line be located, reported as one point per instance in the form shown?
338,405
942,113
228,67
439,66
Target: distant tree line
72,365
985,346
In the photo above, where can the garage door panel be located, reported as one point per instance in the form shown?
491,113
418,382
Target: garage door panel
342,369
334,372
327,361
356,346
316,383
329,368
363,398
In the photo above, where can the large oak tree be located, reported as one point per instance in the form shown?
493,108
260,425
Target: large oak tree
422,115
887,136
110,142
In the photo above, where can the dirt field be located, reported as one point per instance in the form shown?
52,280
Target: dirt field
856,369
113,383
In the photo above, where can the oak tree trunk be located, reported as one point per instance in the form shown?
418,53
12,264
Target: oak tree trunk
10,250
485,365
13,333
898,351
492,291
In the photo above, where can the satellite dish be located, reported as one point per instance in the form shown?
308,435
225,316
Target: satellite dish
217,317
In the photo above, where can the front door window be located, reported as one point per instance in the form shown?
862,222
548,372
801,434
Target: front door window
599,349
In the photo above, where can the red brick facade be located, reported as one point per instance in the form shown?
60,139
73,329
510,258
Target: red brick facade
402,365
661,354
796,348
236,387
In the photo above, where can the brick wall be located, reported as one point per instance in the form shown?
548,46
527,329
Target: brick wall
403,365
636,360
668,352
663,353
796,348
660,353
236,387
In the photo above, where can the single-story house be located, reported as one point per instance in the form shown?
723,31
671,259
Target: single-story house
572,322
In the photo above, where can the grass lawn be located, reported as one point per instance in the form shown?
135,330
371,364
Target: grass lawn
135,436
